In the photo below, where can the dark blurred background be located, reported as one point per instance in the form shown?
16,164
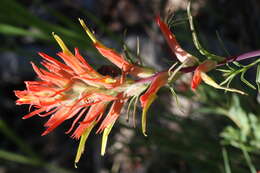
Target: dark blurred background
179,141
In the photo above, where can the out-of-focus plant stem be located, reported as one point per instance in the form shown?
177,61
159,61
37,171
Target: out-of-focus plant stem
9,156
248,160
10,134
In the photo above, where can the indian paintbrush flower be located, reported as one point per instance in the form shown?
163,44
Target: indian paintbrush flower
74,89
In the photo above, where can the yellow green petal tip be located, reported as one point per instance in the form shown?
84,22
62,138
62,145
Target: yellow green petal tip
82,142
104,138
61,44
144,114
89,33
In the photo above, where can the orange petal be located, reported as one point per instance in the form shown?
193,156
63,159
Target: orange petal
47,76
72,62
76,120
59,117
54,61
82,60
196,80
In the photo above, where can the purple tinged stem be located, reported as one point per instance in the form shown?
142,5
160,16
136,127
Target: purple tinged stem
241,57
248,55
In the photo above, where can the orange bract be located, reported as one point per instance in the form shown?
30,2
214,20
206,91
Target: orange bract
205,66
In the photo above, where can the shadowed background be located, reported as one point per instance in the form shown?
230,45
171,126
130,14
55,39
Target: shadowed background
178,141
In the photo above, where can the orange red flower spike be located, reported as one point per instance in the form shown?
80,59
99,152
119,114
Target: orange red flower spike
73,89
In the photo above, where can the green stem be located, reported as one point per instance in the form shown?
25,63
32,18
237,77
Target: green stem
248,160
226,161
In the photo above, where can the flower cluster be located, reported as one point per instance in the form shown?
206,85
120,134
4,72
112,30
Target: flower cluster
73,89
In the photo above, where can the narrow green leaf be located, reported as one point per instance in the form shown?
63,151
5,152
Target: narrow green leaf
14,30
224,70
237,64
226,160
19,142
257,80
228,79
174,94
222,43
248,160
14,157
18,158
242,77
128,54
175,73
